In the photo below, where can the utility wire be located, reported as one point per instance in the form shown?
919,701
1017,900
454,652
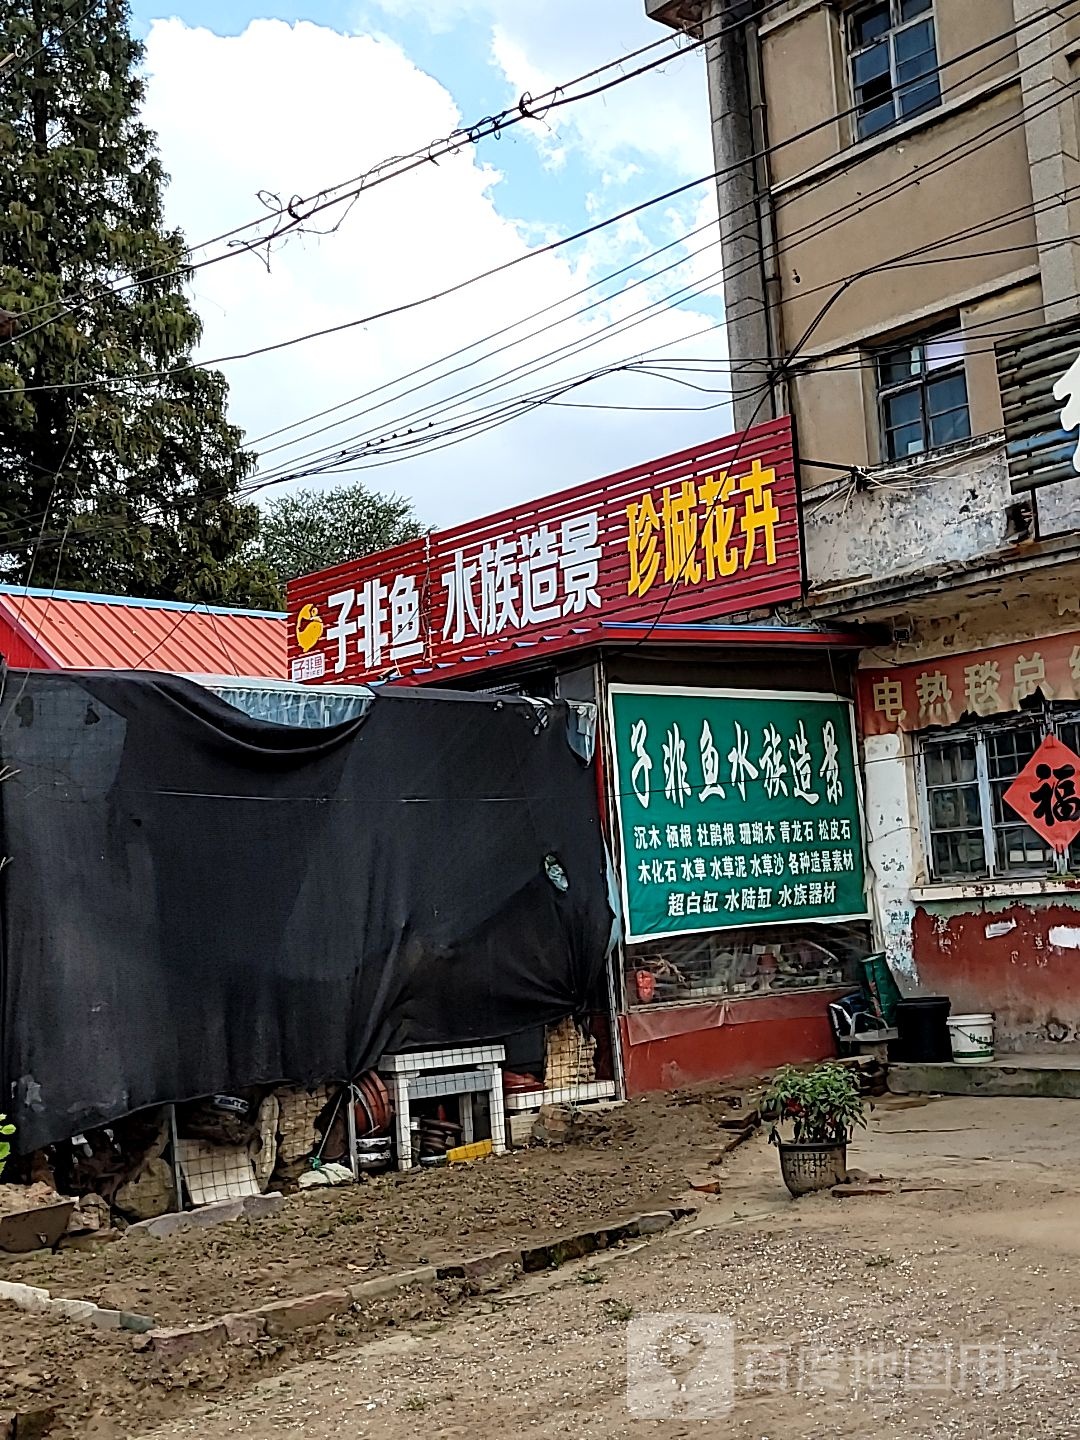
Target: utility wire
433,409
299,210
823,180
257,484
444,293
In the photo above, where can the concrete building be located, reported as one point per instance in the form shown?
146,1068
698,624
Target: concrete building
899,185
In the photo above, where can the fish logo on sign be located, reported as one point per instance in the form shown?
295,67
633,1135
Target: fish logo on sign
309,628
1067,390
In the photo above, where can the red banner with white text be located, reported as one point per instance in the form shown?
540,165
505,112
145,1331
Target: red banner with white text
695,536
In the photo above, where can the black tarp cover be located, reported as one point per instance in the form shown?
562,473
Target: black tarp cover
197,902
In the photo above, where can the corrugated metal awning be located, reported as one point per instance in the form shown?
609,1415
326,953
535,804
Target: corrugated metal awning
75,631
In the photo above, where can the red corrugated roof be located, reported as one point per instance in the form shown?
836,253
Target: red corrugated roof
72,631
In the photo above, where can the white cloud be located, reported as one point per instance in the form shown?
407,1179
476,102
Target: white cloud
288,109
539,44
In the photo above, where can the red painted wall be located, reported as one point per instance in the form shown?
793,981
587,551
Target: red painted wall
1021,964
673,1045
16,651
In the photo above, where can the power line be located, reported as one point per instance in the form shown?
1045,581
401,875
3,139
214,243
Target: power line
260,482
823,180
432,410
299,210
447,291
13,63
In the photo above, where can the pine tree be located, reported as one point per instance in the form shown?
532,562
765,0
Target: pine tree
112,477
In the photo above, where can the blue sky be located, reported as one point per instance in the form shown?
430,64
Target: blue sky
241,106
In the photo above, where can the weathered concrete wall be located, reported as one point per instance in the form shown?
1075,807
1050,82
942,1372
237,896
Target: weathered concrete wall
915,517
1018,959
892,846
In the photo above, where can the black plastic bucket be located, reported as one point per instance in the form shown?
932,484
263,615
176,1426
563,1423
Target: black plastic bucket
922,1035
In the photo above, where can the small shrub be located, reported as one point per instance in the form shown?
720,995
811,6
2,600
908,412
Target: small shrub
822,1105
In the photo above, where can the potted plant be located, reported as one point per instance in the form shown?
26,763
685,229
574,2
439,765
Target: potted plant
821,1106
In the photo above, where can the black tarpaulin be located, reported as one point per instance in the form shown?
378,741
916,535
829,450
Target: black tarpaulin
196,901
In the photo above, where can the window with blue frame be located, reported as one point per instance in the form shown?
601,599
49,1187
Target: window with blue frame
922,393
894,63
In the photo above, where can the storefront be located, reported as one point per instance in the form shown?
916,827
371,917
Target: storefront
972,780
727,775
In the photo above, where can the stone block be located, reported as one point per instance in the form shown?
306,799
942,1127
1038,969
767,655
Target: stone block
247,1328
185,1341
390,1284
107,1319
81,1311
26,1297
137,1324
29,1424
477,1266
285,1317
260,1207
740,1119
653,1222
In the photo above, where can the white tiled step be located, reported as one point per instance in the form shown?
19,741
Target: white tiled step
568,1095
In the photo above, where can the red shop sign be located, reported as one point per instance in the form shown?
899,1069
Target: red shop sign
692,537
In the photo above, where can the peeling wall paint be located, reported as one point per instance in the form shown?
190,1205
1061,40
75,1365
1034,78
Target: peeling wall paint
1016,959
899,529
997,928
891,834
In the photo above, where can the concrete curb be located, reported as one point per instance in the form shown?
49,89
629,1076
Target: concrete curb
39,1302
281,1318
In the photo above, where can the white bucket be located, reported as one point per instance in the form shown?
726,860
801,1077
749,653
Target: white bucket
972,1038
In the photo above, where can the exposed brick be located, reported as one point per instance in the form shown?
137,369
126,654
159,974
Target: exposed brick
706,1184
741,1119
285,1317
478,1266
244,1329
391,1284
188,1340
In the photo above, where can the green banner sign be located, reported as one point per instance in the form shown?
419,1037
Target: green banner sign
735,808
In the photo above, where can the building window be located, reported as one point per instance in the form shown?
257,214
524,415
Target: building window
922,393
894,64
965,771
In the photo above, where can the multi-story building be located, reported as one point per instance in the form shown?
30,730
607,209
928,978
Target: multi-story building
899,191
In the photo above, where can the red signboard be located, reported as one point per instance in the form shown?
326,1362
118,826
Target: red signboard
980,682
1046,793
696,536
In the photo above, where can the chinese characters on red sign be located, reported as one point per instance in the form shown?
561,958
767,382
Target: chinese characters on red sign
985,682
695,536
1045,793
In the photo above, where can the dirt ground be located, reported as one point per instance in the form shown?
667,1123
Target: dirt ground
631,1159
950,1312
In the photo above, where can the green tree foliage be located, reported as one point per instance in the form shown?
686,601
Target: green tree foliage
308,530
117,478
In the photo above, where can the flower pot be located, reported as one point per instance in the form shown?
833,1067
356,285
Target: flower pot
807,1168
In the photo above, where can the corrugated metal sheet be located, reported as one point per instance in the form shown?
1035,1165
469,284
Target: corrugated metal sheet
1039,451
67,630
